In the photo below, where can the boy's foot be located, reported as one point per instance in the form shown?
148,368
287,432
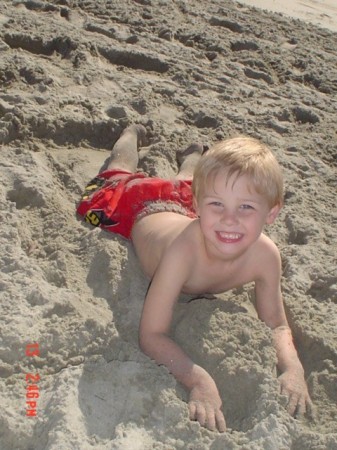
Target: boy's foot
140,131
194,149
187,160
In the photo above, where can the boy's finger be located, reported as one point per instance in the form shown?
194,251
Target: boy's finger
301,408
220,420
210,420
192,410
310,409
201,414
292,404
197,412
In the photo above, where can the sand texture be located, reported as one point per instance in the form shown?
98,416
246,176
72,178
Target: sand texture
73,74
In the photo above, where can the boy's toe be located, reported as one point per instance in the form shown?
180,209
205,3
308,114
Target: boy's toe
141,135
195,147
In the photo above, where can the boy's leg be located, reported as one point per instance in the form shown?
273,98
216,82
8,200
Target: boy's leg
187,160
124,154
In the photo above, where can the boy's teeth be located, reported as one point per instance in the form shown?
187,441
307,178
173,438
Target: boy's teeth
230,235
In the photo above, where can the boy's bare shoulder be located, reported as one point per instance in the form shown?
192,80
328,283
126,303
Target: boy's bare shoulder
267,247
266,256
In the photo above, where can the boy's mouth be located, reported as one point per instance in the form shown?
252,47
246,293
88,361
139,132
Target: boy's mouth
229,237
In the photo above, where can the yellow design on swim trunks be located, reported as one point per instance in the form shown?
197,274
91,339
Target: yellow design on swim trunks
92,187
92,218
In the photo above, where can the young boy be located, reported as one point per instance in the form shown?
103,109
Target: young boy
206,242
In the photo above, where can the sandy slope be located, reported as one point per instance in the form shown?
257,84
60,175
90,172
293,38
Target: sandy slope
72,75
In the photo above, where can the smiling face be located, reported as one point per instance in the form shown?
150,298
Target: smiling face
232,215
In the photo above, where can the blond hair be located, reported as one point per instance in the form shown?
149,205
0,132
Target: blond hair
241,156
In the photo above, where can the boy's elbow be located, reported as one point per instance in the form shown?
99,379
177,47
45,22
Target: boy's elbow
144,341
149,343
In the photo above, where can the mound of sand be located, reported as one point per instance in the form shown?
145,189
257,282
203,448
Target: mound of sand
73,75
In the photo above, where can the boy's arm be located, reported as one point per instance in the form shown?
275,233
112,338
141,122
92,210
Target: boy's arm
205,402
270,309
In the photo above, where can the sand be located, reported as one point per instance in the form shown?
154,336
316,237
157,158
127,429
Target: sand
73,75
322,13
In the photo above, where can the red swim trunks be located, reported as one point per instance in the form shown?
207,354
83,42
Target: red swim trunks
116,199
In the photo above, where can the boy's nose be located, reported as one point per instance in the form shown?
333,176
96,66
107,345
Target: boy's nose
229,218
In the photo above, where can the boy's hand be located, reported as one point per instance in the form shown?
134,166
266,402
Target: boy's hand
205,406
294,387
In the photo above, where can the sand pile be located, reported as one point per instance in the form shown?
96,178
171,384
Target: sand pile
73,75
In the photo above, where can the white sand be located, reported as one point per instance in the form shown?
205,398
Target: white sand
72,76
322,13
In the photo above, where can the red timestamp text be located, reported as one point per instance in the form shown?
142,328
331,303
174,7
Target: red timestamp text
32,379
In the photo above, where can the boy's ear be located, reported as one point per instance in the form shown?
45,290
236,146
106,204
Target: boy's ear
273,213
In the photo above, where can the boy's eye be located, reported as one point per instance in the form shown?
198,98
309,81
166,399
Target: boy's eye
246,207
216,204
